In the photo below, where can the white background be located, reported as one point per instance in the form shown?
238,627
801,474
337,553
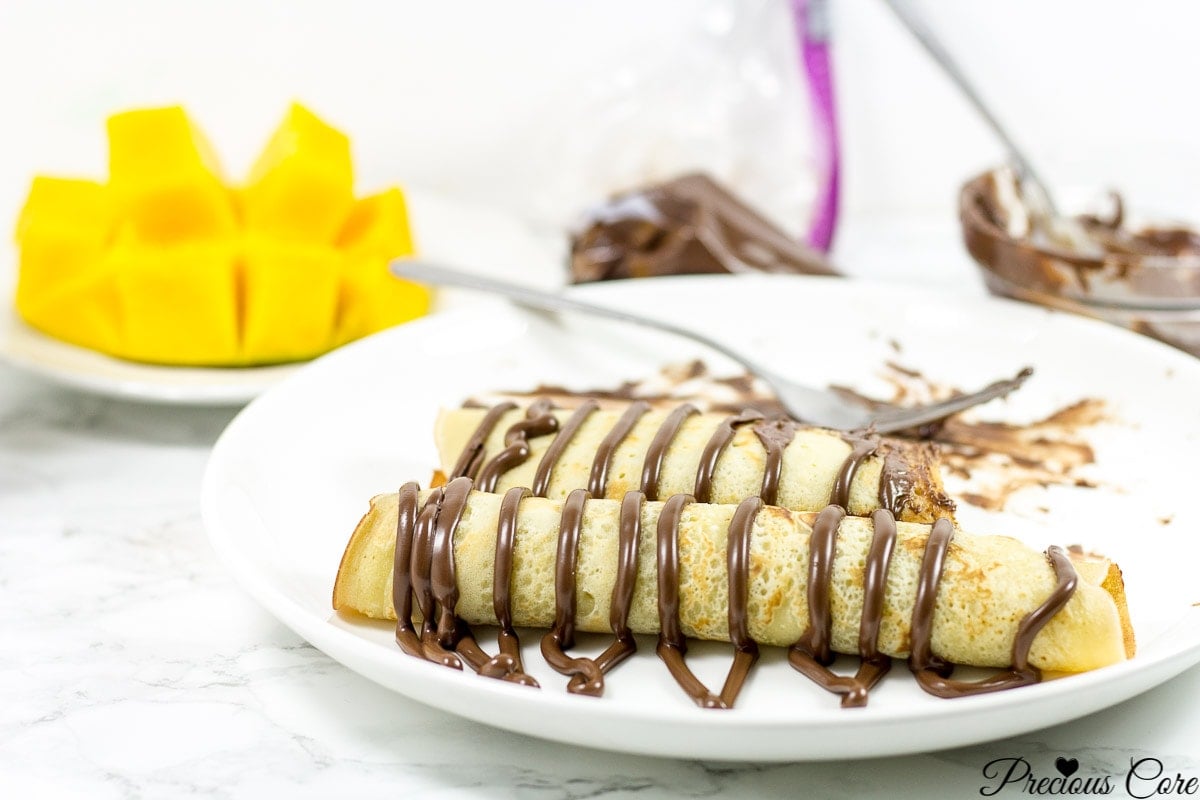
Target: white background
537,106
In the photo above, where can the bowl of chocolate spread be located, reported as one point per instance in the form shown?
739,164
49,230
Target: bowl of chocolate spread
1145,277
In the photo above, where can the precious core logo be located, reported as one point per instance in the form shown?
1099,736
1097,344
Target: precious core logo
1146,777
1017,773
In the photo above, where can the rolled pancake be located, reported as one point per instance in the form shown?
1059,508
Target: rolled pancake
900,475
988,586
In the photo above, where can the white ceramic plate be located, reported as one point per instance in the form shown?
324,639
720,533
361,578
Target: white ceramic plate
292,474
440,227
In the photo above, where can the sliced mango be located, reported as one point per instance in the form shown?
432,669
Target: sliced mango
83,310
302,186
65,204
62,231
378,224
167,263
290,294
179,301
370,300
166,182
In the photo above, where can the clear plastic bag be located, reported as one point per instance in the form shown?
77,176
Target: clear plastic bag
729,97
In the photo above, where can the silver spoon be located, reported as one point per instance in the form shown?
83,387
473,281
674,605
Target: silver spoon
922,33
820,407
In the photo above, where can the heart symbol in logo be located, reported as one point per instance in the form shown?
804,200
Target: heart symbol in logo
1067,766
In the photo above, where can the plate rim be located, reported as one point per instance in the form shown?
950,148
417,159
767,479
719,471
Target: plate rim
131,380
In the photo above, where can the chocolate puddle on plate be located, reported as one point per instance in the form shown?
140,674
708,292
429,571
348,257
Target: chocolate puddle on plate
993,459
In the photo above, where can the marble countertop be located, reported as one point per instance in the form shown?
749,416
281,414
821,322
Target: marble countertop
133,666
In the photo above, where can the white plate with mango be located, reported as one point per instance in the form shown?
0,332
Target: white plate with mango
169,283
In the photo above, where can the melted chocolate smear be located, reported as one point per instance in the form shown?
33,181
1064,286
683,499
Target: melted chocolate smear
1001,458
690,381
995,460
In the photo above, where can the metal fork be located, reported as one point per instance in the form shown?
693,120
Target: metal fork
820,407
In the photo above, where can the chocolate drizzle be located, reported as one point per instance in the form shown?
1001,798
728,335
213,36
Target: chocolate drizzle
562,635
655,453
775,435
623,645
402,595
545,467
471,458
745,652
932,672
421,574
672,645
539,421
716,446
424,567
507,663
860,449
814,642
598,478
812,655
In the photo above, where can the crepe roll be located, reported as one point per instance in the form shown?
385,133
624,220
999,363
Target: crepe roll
718,458
750,574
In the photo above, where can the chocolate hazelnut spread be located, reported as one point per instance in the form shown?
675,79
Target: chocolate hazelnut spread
1146,278
598,477
934,674
652,467
424,568
688,225
506,664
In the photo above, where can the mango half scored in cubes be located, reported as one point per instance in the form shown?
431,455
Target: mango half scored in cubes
167,263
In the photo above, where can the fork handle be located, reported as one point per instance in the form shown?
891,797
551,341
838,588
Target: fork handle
426,272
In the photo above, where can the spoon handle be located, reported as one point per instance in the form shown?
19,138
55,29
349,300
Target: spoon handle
438,275
923,34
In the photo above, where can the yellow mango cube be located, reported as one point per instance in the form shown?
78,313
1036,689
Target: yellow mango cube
166,182
378,224
58,203
370,299
289,301
83,310
61,232
302,185
179,301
